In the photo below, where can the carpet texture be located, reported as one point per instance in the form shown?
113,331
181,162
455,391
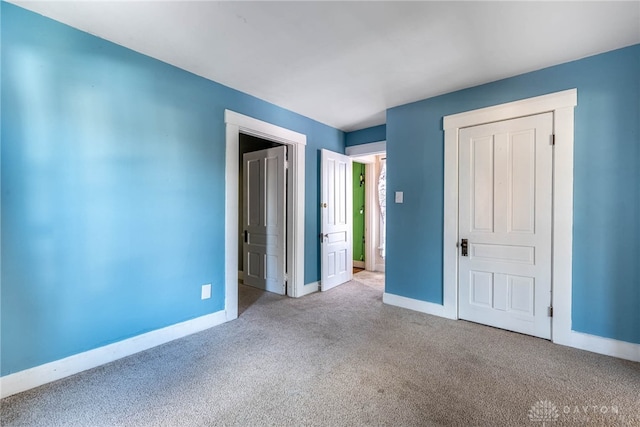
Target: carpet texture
341,358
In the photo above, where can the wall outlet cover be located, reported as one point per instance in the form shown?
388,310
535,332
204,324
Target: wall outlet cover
399,196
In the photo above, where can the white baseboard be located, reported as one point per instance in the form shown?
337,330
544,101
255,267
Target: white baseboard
416,305
310,288
43,374
592,343
358,264
601,345
380,268
240,275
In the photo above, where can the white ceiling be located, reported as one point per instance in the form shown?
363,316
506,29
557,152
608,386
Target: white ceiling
345,63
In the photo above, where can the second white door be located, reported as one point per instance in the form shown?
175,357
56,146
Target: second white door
264,219
505,224
336,217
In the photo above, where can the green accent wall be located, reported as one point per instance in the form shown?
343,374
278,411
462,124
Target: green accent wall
358,212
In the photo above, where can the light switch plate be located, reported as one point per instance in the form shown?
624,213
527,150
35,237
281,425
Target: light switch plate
399,196
206,291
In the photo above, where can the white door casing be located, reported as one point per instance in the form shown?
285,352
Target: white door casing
368,153
264,219
505,178
336,210
374,231
235,124
372,218
562,105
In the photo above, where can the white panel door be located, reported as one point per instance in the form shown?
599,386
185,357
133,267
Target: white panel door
264,219
505,217
335,206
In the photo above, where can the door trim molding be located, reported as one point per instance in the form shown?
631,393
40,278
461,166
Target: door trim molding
378,147
561,104
237,123
363,153
371,223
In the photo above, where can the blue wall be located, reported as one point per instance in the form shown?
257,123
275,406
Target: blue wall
606,249
366,136
112,190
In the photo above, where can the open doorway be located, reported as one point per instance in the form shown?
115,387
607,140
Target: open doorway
262,224
359,214
369,184
369,212
248,144
237,124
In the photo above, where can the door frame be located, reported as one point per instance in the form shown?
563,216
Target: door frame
562,105
361,153
371,230
236,124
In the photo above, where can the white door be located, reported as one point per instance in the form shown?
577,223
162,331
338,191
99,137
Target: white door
505,218
264,219
335,206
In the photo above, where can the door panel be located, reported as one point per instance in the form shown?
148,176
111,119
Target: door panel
505,213
502,253
336,207
482,206
521,196
264,218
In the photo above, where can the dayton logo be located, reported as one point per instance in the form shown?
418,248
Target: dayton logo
543,411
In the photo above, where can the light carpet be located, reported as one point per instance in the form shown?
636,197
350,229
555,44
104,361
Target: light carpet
341,358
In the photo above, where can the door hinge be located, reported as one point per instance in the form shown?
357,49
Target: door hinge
553,139
286,165
550,309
